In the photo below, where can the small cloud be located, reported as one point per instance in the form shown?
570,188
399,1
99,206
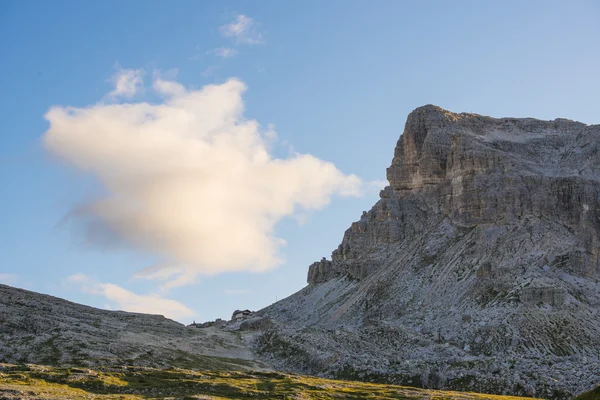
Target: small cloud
172,277
164,83
122,299
168,88
78,278
244,30
126,83
236,292
224,52
8,279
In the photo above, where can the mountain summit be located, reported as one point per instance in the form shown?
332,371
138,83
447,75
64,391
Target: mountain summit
477,269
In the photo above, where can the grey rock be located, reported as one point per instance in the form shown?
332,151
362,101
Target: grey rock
321,271
548,295
256,324
41,329
488,239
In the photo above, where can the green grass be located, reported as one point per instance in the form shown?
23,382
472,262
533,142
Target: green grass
591,395
128,383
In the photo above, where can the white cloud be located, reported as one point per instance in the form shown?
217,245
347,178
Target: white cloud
8,279
190,180
225,52
78,278
122,299
127,82
168,88
236,292
171,276
244,30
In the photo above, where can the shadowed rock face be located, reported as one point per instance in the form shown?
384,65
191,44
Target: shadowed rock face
37,328
483,249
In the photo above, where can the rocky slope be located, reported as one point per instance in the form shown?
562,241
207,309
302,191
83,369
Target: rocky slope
37,328
477,269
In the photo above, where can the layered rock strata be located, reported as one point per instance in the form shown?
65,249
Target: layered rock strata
480,264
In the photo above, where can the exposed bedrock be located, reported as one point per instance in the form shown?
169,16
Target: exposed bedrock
479,264
477,171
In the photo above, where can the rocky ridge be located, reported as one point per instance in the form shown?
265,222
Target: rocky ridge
477,269
41,329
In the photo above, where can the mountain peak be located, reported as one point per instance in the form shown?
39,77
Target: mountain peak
486,239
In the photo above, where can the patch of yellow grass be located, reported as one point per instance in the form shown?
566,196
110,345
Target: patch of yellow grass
136,383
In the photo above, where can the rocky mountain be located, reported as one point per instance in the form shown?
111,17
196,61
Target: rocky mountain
478,268
37,328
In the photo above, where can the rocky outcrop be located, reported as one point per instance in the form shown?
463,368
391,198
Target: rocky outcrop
321,271
256,324
480,259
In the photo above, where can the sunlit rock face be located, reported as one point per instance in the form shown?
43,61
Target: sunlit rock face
476,171
479,263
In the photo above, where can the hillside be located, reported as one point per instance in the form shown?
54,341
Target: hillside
41,329
478,268
82,352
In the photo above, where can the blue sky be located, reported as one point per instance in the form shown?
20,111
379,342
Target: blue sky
336,79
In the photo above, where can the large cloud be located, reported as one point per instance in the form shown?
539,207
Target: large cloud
190,179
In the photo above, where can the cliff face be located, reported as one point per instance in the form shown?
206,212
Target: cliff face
484,248
476,171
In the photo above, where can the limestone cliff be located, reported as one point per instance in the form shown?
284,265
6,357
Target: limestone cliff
480,171
477,269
